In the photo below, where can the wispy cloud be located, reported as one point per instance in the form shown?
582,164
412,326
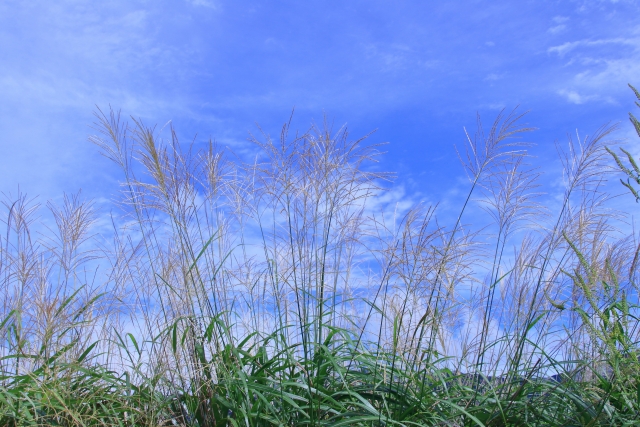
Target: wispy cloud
204,3
574,97
229,64
557,29
559,26
567,47
76,57
600,67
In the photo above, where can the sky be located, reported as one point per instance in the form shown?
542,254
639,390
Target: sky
417,72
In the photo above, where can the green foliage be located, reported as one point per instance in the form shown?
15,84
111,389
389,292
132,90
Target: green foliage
343,384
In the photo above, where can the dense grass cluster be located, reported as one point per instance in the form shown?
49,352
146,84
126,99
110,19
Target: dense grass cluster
286,291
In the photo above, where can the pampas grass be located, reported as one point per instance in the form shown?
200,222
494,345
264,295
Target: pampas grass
279,292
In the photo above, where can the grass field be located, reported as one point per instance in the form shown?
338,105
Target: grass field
284,292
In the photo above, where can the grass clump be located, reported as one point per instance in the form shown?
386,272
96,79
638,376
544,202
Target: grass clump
285,292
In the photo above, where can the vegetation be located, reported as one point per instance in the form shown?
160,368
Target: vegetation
286,292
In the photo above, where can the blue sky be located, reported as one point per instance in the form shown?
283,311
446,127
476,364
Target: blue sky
415,71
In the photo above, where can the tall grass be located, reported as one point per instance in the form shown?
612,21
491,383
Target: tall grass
285,291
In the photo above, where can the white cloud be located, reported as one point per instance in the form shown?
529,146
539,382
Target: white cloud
616,71
602,67
204,3
567,47
560,19
557,29
574,97
62,59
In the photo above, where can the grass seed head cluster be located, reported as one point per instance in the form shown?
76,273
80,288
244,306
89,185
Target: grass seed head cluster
281,291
